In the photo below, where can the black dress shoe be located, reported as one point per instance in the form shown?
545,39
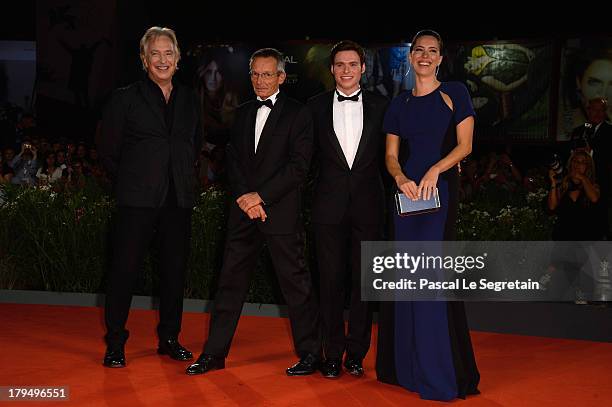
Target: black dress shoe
114,357
174,349
307,365
206,363
331,368
354,366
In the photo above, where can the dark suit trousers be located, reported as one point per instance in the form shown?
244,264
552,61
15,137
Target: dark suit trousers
242,249
338,253
134,231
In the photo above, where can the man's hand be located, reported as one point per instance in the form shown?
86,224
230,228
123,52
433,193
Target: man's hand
249,200
257,211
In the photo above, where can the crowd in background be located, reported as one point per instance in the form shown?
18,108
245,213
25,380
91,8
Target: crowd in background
31,157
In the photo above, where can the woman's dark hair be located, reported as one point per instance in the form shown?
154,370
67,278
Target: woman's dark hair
220,57
45,165
430,33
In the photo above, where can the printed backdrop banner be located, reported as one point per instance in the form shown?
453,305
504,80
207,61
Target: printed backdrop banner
586,73
510,87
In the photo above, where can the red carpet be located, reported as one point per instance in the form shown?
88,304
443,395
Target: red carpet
62,346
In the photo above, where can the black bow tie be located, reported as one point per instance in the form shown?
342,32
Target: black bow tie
354,98
267,102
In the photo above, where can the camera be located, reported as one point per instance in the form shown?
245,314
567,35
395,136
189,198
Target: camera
555,165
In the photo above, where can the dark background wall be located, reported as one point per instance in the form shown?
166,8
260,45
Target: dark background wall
379,21
260,23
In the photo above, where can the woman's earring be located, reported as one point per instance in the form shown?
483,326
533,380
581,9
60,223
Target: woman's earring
408,71
437,69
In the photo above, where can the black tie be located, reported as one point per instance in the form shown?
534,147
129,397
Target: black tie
267,102
354,98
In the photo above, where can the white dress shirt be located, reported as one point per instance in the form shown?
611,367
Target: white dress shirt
348,124
262,115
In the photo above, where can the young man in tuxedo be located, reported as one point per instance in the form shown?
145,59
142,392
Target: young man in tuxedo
268,158
150,134
348,205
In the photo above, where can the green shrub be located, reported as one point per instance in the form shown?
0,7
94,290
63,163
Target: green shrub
59,240
521,216
55,241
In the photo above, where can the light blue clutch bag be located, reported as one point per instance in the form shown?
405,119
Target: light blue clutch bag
406,206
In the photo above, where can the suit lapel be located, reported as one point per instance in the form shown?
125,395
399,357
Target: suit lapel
151,101
250,131
367,129
331,134
266,133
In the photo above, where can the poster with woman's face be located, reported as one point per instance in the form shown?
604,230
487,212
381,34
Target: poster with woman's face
586,74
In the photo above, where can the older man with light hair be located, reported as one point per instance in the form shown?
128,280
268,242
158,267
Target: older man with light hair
150,135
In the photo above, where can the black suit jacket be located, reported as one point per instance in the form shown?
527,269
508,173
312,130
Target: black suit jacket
601,143
139,152
341,190
278,169
602,153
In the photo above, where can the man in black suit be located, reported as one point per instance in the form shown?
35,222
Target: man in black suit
348,205
150,134
596,138
268,157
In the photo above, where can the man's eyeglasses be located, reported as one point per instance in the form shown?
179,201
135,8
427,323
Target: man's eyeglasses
264,75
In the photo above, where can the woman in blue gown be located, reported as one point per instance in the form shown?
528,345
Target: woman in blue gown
425,347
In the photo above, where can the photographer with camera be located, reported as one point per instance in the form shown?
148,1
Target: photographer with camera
24,164
595,130
595,137
555,169
574,200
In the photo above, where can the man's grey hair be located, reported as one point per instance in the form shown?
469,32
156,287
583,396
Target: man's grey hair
269,53
152,34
